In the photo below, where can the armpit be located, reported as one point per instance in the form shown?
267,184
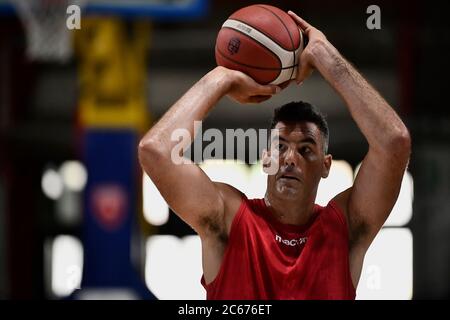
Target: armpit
214,227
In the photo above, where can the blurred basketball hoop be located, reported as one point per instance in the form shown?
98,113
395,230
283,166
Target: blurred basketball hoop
48,37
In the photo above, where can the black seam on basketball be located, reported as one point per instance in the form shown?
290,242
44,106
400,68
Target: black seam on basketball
267,35
290,36
260,44
254,67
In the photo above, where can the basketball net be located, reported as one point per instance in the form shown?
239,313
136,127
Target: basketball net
48,38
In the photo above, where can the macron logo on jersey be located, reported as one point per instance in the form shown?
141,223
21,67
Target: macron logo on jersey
293,242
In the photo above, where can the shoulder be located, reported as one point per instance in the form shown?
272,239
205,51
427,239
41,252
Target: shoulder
338,212
227,189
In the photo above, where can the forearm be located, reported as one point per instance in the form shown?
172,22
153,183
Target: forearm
194,105
376,119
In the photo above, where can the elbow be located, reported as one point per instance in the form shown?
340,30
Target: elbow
149,152
146,145
401,144
404,140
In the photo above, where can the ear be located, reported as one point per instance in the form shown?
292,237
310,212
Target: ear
270,162
265,159
326,165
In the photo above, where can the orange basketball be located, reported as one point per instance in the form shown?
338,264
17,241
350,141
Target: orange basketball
262,41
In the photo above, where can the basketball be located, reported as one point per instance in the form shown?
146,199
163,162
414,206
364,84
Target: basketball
262,41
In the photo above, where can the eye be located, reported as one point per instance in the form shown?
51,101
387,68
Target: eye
280,146
305,150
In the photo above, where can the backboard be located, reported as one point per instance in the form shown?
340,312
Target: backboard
154,9
48,22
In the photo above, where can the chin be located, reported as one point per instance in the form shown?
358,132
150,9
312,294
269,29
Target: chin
288,192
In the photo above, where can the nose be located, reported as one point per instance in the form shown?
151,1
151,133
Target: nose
291,158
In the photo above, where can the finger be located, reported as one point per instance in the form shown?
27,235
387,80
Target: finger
266,90
284,84
301,22
305,37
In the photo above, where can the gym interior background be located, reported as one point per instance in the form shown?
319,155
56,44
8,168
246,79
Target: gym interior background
78,220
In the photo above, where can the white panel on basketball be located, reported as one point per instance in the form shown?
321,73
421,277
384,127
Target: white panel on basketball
288,59
285,75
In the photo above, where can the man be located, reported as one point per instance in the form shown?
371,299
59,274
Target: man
284,246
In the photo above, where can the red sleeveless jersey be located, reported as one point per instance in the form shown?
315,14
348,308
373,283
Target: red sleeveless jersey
265,259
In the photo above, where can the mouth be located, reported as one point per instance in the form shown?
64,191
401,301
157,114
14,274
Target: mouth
289,177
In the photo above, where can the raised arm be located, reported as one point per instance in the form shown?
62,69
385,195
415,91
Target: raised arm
185,187
368,203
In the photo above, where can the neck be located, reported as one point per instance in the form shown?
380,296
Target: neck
296,212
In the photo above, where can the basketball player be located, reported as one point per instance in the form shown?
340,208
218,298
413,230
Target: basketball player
284,246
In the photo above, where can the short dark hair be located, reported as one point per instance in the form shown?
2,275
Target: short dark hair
300,111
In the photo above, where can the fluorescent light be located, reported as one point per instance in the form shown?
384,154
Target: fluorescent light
156,210
173,267
387,273
231,172
52,184
257,182
66,265
339,179
74,175
401,214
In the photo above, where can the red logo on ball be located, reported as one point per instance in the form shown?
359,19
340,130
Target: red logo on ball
233,45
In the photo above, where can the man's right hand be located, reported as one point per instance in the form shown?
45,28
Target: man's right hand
244,89
315,37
